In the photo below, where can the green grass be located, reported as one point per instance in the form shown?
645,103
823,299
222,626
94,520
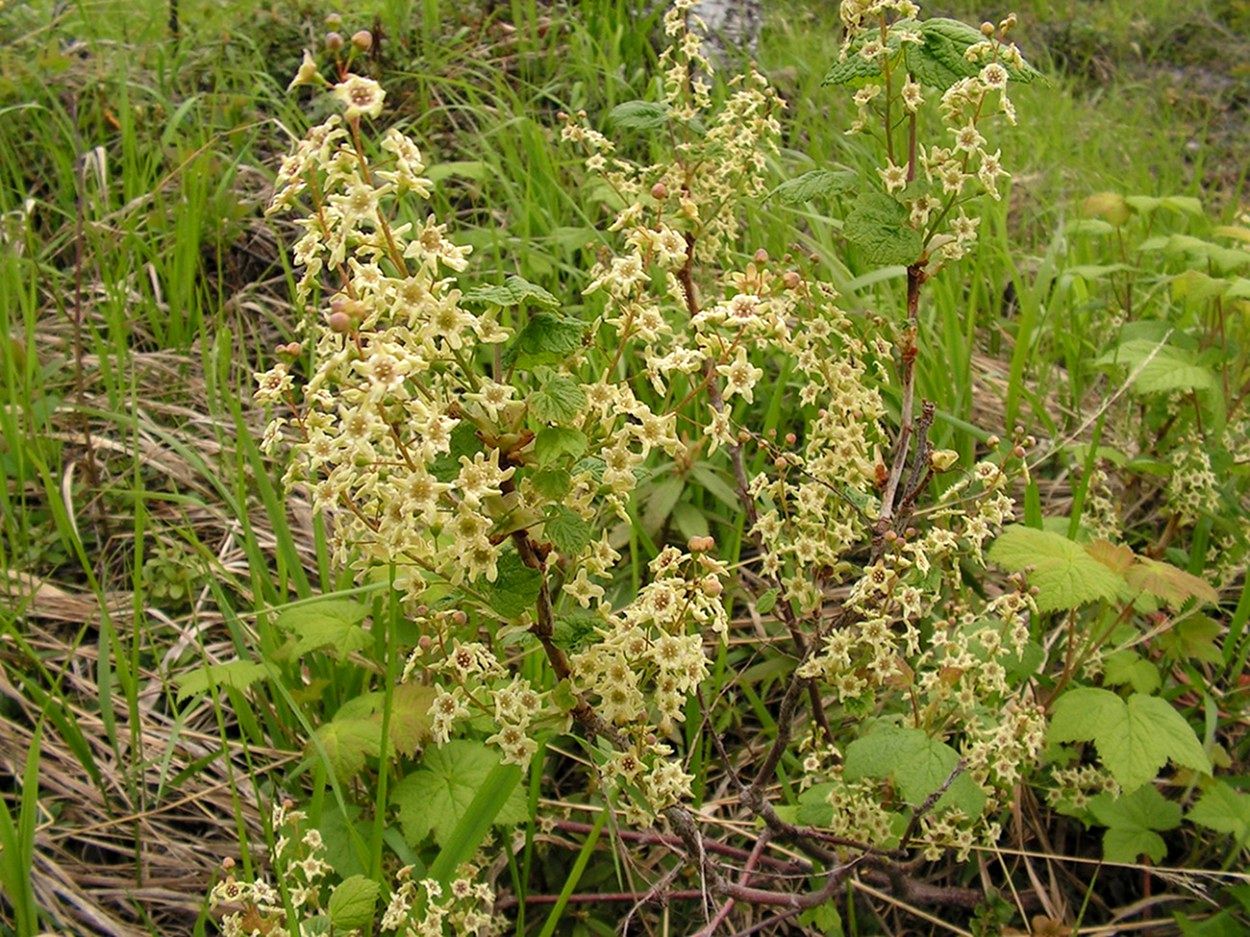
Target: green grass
140,286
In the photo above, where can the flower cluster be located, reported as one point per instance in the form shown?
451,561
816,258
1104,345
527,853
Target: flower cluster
484,470
424,908
909,625
936,180
1193,489
1074,787
300,871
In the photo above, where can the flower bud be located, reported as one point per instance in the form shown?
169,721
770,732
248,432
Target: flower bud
711,586
333,21
761,256
659,191
941,460
987,29
791,279
1018,452
362,40
227,863
992,441
334,41
340,322
459,617
791,439
425,642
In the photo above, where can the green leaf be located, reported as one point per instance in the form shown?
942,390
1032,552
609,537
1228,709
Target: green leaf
1134,739
940,59
854,67
548,338
1225,810
352,902
514,291
1158,369
558,400
814,808
436,797
639,115
1184,204
577,628
716,486
566,529
515,589
1193,638
234,674
879,226
410,723
464,442
552,483
1132,821
332,623
347,742
660,501
1194,287
556,443
816,183
496,798
1064,573
766,602
1127,668
918,764
1167,582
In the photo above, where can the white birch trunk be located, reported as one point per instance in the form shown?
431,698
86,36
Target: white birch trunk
732,25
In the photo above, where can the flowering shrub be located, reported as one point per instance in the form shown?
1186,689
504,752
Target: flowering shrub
479,450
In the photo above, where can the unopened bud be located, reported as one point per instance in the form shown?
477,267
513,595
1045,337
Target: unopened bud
779,462
363,40
910,532
1018,452
425,642
987,29
459,617
992,441
761,256
227,863
333,21
791,279
711,586
791,439
334,41
659,191
701,544
340,322
814,257
889,536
